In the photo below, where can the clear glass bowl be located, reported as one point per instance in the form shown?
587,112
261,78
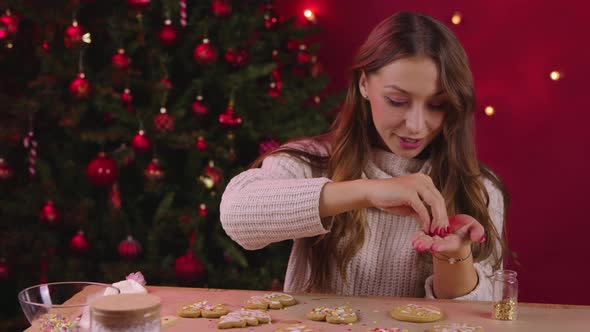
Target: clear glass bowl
61,306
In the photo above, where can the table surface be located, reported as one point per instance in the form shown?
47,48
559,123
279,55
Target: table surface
373,312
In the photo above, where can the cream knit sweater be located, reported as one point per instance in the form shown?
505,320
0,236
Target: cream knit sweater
280,201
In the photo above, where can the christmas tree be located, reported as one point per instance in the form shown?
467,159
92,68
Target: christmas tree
122,123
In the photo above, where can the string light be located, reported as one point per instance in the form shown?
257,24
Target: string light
456,19
489,110
87,38
555,75
310,16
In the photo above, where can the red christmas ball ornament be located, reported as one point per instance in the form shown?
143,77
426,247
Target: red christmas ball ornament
202,211
120,60
189,268
166,83
46,47
5,271
267,145
199,106
237,57
201,144
153,172
163,122
293,45
138,5
168,34
5,170
102,171
303,56
140,142
73,34
221,8
129,248
10,23
275,76
229,119
211,176
49,214
126,97
80,87
271,19
205,53
273,90
79,243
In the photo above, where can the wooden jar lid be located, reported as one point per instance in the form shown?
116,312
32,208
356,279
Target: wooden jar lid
123,309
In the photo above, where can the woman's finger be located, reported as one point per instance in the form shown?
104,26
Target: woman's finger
438,213
421,241
416,203
469,228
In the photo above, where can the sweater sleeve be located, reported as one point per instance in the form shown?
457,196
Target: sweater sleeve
276,202
483,290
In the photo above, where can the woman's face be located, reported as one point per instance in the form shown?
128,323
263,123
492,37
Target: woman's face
407,104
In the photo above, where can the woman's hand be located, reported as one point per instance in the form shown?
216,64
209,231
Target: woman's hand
464,230
408,195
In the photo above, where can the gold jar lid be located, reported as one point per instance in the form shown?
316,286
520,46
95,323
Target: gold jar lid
125,309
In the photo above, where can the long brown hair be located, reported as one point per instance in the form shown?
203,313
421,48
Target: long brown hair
455,171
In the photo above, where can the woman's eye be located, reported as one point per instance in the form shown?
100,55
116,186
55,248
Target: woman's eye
438,106
395,103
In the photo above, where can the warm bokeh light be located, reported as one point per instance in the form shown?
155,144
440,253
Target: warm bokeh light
489,110
87,38
456,19
555,75
309,15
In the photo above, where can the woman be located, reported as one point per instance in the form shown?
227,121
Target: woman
368,203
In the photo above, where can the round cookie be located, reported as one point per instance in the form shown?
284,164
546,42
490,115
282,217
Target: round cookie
387,329
319,313
294,328
341,315
416,313
456,327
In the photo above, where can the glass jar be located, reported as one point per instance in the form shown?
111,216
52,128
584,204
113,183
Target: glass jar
505,295
126,312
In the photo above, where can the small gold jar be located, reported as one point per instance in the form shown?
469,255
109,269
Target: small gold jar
126,312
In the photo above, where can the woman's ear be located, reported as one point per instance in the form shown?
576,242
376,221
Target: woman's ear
363,85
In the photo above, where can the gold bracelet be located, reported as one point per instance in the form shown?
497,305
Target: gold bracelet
452,260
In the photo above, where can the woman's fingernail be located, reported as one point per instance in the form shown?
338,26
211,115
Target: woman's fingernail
442,232
482,239
448,230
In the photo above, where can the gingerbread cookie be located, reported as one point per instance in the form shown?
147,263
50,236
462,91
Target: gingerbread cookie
387,329
416,313
456,327
294,328
319,313
337,315
272,301
202,309
243,318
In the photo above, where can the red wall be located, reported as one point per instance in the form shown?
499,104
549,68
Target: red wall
537,139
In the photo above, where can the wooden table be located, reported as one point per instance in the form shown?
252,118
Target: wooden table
374,312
